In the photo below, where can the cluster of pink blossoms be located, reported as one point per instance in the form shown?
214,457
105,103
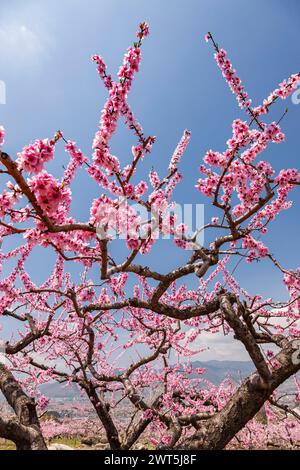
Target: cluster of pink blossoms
158,200
140,189
154,179
285,182
292,281
261,140
8,199
172,185
80,427
111,216
101,67
287,177
139,151
33,157
180,149
116,106
256,248
284,90
130,119
113,108
232,79
77,160
241,176
2,135
50,194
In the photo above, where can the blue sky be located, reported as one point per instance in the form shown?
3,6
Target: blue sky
45,50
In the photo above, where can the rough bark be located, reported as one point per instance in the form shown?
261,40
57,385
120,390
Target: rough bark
103,413
24,429
246,402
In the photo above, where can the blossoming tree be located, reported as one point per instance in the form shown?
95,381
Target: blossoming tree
94,308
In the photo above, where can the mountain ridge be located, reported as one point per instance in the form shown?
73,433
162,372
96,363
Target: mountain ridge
216,372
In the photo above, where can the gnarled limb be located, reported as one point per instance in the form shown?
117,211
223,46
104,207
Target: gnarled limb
24,430
216,432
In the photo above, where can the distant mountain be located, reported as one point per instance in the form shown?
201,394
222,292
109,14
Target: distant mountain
57,391
60,391
217,371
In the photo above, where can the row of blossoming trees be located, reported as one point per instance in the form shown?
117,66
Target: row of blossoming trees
75,328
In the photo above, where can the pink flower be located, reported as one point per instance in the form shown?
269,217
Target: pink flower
2,135
114,107
133,244
33,157
256,248
154,179
140,189
232,79
148,414
180,149
51,195
43,402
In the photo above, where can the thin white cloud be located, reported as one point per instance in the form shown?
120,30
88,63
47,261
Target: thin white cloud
19,44
219,347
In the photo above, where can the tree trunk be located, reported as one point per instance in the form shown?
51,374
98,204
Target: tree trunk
245,403
105,418
24,430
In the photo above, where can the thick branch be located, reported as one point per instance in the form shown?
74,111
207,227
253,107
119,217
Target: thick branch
25,430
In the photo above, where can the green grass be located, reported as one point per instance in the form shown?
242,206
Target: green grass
67,441
7,445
